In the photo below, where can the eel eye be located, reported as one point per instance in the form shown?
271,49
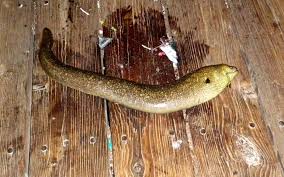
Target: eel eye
207,81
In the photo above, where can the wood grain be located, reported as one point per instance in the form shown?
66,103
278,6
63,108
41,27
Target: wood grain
262,49
15,86
235,141
144,144
68,135
47,129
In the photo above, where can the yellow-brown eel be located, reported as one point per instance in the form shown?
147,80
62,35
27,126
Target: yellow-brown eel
193,89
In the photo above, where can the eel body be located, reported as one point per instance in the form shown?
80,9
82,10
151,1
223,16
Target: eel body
193,89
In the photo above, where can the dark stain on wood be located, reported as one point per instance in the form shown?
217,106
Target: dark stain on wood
192,52
146,28
127,59
142,29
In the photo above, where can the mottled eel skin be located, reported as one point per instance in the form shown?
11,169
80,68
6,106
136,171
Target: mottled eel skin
193,89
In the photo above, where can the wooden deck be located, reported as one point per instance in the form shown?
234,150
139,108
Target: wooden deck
47,129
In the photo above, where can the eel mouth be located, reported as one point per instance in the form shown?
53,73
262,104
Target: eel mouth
232,72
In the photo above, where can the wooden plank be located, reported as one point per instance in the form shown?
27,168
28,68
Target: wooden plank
144,144
68,129
15,86
234,139
262,48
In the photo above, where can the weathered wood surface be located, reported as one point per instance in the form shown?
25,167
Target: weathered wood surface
16,45
260,34
68,135
237,134
232,120
235,130
143,143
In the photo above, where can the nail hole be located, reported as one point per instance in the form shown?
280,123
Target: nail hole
45,3
10,150
65,142
137,167
281,123
252,125
172,133
202,131
120,66
44,148
275,24
93,140
207,81
53,163
20,5
124,139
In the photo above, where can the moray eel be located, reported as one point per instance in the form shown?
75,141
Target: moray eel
193,89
